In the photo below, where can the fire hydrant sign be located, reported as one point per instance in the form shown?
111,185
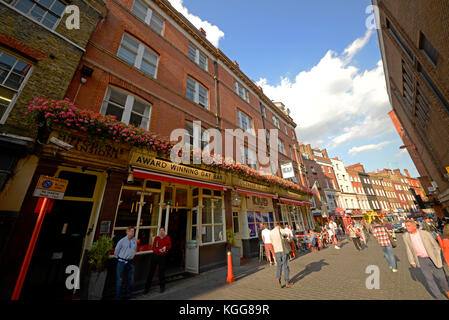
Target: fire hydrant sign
51,187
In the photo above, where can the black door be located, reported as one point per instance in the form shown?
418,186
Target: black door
177,232
59,245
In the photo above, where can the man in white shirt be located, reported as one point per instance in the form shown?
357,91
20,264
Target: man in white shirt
276,236
268,245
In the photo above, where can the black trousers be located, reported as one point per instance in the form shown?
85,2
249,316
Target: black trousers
161,261
357,243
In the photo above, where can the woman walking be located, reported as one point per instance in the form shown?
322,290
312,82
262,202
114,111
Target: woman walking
355,238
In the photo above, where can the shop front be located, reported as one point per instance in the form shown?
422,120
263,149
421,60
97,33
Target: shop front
188,202
256,207
69,225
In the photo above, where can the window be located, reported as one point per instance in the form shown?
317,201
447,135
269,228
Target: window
148,16
141,210
188,139
138,55
276,122
126,108
249,157
197,56
263,110
13,73
244,121
197,93
286,130
47,12
235,222
212,222
400,42
434,88
429,50
241,91
281,146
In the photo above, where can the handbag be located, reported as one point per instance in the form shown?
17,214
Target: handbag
393,241
286,248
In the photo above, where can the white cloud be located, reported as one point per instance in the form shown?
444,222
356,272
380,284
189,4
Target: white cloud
213,33
368,147
335,101
401,153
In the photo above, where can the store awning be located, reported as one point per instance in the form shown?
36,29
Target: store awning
294,201
256,193
145,174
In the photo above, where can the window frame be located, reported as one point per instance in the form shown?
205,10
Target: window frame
198,54
140,55
36,4
17,93
239,87
128,107
196,98
149,16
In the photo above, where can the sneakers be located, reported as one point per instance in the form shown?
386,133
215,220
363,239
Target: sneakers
288,285
394,270
337,247
280,283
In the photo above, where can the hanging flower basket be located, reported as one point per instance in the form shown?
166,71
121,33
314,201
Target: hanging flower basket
50,114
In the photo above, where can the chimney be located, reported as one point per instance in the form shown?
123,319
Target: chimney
203,31
235,62
397,171
406,172
260,88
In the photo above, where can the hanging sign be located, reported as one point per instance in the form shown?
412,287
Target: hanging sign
287,170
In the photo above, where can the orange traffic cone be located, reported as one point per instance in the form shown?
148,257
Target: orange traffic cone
230,272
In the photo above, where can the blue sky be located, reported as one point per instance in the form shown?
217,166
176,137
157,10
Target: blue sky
295,49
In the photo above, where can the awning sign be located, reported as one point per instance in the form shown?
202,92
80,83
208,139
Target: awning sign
287,170
50,187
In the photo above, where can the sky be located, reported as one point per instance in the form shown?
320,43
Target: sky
322,61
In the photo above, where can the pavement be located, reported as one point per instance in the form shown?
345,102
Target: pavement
329,274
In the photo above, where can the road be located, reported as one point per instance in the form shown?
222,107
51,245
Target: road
330,274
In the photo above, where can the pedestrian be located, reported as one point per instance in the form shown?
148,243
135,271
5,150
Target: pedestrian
355,238
288,228
332,234
259,233
268,245
161,247
361,234
424,252
382,235
429,226
444,243
281,250
125,251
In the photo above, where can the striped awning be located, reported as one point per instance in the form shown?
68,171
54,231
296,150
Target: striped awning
147,174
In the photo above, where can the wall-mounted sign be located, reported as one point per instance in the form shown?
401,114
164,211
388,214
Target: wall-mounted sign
287,170
256,203
149,162
50,187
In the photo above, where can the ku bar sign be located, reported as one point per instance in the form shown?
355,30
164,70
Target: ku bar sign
50,187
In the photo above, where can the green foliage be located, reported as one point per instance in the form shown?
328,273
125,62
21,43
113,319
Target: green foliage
99,253
230,236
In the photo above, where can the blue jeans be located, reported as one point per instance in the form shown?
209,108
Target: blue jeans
389,255
123,268
282,261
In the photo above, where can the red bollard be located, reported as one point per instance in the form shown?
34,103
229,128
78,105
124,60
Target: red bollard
230,272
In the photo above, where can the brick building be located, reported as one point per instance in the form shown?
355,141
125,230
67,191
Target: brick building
150,68
39,55
413,39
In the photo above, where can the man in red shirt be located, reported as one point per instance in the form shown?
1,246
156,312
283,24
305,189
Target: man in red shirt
161,246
